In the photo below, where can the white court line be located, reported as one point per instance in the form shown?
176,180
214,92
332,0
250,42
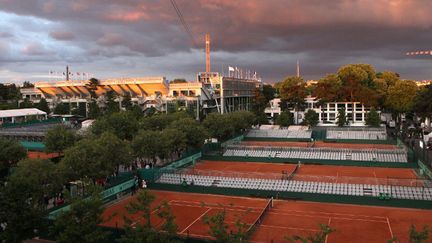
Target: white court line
391,231
195,220
317,216
285,227
319,212
376,179
329,222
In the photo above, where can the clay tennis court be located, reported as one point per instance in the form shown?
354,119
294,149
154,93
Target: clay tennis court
318,144
308,172
189,210
352,223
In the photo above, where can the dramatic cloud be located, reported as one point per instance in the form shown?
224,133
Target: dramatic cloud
62,35
145,37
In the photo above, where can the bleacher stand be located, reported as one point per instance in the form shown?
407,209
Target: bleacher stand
279,133
357,133
369,190
377,155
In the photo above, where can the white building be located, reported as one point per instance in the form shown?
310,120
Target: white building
327,112
21,115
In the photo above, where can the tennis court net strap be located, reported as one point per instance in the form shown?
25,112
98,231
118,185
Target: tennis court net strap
260,218
292,174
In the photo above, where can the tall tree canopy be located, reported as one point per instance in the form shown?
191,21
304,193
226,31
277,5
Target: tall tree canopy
400,97
10,153
293,91
59,138
328,88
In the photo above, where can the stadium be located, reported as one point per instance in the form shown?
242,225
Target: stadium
281,183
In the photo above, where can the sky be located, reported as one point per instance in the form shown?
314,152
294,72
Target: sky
138,38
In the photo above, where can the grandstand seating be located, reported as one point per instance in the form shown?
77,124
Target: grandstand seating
378,155
357,134
279,133
399,192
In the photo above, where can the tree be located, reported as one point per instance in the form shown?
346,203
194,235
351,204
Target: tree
269,92
328,88
22,206
27,84
400,97
123,124
126,102
92,86
419,236
311,118
241,120
95,158
26,103
61,109
219,126
111,105
219,228
80,110
81,222
43,105
59,138
21,216
94,110
341,118
10,153
319,237
144,231
178,81
373,118
293,91
194,132
423,101
357,83
43,173
146,144
285,119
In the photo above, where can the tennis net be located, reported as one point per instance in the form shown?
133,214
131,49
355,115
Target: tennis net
263,213
292,174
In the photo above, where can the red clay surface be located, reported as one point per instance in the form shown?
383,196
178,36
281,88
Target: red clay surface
318,144
323,173
189,210
41,155
352,223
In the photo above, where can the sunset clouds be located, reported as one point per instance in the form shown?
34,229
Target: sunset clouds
113,38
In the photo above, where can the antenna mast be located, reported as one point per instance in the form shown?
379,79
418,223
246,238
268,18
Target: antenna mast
207,47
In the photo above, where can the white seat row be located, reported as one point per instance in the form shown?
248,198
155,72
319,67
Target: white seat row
279,133
311,153
363,135
400,192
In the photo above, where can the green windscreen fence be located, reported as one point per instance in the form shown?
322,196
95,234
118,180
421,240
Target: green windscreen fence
33,146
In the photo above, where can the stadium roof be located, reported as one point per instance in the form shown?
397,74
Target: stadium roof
21,112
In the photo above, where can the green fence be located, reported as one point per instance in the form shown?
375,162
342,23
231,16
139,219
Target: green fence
107,195
424,170
33,146
299,196
311,161
29,123
361,141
